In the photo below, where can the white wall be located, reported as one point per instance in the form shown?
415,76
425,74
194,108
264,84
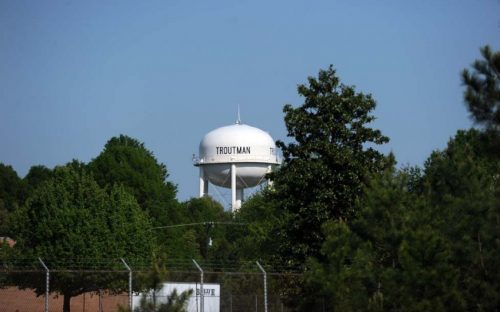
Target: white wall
211,291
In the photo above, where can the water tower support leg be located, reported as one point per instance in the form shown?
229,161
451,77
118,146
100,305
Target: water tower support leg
269,182
239,197
233,188
203,183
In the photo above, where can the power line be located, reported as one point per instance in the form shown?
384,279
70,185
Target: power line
198,223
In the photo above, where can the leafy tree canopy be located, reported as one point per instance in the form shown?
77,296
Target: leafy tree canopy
326,164
254,238
127,162
11,195
211,237
69,217
11,188
188,237
36,176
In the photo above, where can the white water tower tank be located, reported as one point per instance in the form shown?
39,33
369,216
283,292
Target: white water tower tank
237,157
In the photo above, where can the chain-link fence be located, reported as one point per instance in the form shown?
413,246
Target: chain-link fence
207,288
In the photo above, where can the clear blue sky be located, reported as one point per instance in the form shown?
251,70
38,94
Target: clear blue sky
75,73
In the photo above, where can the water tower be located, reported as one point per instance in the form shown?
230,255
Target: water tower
236,157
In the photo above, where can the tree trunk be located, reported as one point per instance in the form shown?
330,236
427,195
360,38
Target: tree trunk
67,302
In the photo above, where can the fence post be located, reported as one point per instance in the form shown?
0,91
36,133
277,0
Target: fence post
202,304
265,285
130,302
47,284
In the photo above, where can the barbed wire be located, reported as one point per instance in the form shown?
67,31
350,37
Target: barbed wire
212,223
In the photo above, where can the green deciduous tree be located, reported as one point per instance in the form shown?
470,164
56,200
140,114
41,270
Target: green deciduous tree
326,164
126,161
255,237
69,217
11,192
10,188
188,237
193,230
211,238
36,176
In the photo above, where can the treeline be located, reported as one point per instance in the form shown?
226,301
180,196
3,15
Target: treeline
367,235
125,167
370,236
86,216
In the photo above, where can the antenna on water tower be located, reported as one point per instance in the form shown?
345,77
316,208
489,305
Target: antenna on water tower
238,121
